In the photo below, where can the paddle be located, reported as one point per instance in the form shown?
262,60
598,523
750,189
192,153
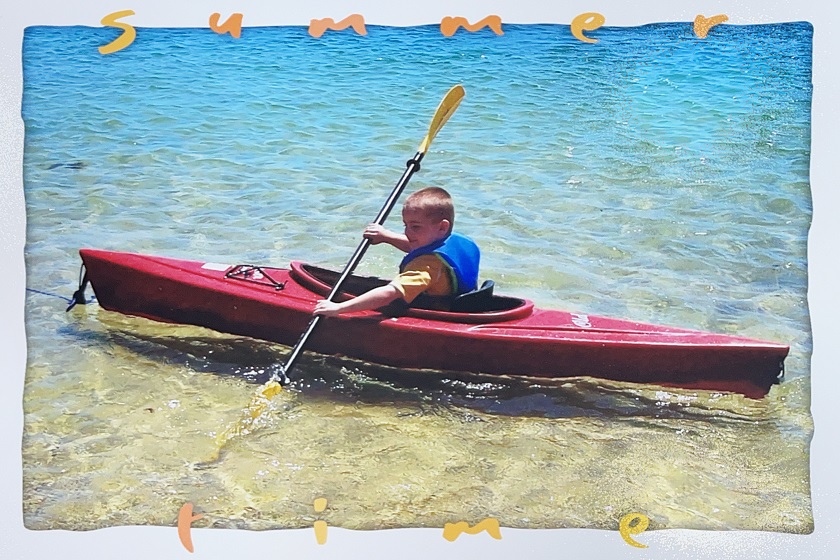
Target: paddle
262,400
448,104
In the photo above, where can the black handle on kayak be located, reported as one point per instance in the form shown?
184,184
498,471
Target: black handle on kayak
281,373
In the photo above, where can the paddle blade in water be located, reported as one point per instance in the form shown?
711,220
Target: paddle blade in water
252,419
271,389
445,110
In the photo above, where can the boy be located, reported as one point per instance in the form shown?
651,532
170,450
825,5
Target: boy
438,263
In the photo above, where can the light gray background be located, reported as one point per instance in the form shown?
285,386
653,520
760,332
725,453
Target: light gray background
162,542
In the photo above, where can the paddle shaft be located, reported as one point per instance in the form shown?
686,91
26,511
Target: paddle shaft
412,166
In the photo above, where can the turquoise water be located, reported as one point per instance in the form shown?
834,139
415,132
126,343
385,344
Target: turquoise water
652,176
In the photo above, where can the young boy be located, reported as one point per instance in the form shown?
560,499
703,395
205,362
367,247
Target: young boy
438,263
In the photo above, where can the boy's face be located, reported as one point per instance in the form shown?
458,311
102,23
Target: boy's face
421,230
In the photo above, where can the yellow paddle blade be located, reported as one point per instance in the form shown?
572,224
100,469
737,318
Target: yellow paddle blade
445,110
271,389
251,419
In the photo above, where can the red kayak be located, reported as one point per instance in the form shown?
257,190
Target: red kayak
495,335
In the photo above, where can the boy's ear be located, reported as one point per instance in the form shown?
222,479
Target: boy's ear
444,225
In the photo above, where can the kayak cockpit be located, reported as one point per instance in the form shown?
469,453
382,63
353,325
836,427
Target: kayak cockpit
480,306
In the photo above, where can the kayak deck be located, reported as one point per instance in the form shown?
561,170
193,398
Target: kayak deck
511,338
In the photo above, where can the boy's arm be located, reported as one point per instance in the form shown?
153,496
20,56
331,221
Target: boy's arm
378,234
373,299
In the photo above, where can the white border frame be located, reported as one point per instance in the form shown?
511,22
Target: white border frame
144,543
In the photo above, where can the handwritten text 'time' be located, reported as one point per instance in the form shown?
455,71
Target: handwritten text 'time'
630,524
449,26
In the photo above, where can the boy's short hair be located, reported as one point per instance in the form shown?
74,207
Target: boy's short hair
435,204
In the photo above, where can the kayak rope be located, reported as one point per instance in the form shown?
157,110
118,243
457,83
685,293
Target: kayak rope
51,294
79,295
255,274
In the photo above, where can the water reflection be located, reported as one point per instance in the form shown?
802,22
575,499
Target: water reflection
347,381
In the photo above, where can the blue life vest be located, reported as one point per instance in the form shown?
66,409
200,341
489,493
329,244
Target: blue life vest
461,255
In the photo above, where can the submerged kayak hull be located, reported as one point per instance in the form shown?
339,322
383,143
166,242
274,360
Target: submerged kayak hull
517,339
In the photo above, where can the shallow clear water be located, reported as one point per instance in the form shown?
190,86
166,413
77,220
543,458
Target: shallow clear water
652,176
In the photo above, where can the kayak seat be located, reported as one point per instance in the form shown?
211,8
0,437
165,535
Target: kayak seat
488,307
476,301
